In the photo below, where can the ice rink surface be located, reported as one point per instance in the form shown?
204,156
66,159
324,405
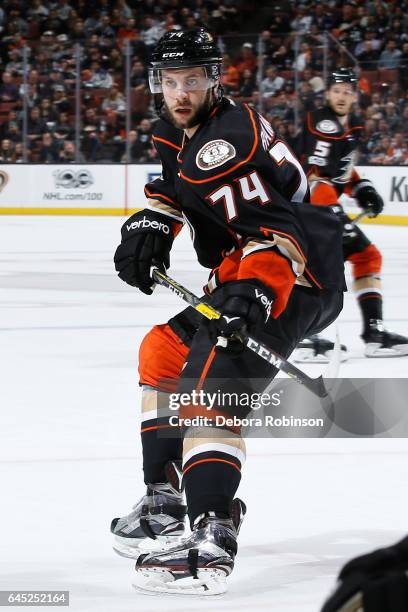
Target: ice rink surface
70,452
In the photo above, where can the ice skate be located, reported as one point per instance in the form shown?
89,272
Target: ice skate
383,343
200,564
155,522
317,350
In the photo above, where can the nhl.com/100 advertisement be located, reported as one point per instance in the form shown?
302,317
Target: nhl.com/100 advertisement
73,188
119,189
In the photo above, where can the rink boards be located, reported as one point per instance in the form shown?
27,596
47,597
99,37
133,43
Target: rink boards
117,189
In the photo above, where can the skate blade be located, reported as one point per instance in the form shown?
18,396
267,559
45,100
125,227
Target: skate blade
145,545
374,349
156,581
308,356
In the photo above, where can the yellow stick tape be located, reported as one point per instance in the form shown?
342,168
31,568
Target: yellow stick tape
208,311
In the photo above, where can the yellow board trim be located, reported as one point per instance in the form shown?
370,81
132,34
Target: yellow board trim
17,210
383,220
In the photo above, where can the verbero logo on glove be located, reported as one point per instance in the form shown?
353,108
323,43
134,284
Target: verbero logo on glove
267,304
148,224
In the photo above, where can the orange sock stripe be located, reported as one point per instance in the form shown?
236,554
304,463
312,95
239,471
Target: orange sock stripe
208,460
155,427
375,295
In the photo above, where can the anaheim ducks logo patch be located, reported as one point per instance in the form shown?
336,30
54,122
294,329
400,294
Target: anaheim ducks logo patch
3,180
327,126
214,154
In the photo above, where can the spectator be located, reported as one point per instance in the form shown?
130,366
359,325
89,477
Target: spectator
37,10
15,63
316,82
282,57
382,152
368,49
115,101
247,84
145,134
100,77
49,153
137,150
60,101
247,59
230,75
304,58
13,132
398,149
90,144
138,76
18,156
152,31
8,89
390,57
35,125
63,9
6,151
272,83
127,32
64,129
69,155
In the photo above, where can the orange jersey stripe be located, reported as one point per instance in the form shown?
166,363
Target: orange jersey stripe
159,195
342,137
167,142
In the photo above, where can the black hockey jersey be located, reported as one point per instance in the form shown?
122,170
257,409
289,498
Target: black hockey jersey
328,150
241,191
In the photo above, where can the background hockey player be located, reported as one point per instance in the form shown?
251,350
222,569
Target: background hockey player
327,148
240,190
374,582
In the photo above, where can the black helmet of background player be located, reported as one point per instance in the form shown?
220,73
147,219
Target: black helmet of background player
185,49
343,75
341,98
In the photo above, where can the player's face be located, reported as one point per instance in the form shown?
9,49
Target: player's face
187,96
341,97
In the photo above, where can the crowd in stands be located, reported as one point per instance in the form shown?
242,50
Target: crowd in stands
46,46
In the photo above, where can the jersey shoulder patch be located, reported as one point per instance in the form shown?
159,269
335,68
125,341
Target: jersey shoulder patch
327,126
215,153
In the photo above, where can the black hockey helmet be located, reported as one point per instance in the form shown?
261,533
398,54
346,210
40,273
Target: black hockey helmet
185,49
343,75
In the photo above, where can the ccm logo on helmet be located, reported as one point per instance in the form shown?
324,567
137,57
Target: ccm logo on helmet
175,54
267,304
145,223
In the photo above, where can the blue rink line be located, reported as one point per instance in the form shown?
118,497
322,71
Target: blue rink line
69,327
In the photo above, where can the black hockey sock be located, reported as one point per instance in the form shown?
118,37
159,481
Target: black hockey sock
158,449
210,486
371,308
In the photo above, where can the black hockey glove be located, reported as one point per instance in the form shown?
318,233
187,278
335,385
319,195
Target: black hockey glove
244,305
368,198
147,238
377,582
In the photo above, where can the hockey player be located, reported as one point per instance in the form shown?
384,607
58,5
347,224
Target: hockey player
327,148
374,582
240,190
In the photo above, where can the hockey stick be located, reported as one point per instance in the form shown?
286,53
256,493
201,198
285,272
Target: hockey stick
315,385
360,216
